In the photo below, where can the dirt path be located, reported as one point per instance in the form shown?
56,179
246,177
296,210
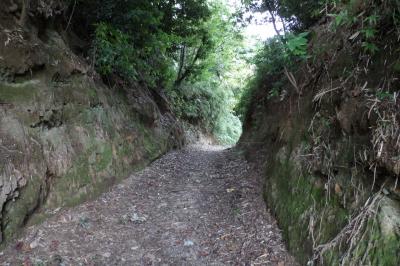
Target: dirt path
198,206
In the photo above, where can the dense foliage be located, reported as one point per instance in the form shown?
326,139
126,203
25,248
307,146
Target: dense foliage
279,54
158,42
208,98
193,50
187,48
295,15
362,21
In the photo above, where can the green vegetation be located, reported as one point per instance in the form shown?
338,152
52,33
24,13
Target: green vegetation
194,51
17,92
279,54
322,94
296,15
142,40
207,99
313,82
363,22
191,49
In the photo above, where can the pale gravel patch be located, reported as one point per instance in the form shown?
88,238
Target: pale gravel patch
201,205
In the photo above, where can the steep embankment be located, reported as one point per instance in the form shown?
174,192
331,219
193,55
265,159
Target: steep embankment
331,145
64,135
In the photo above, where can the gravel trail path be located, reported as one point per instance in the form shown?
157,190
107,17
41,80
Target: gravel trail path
198,206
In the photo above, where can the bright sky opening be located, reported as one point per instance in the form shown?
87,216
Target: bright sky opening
259,29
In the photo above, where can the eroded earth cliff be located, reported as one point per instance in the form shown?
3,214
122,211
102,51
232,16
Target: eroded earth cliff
65,136
329,143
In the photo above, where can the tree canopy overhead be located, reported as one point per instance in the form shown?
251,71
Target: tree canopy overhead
295,15
162,41
187,48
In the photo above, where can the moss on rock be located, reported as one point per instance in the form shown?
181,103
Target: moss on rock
86,135
14,93
18,210
304,211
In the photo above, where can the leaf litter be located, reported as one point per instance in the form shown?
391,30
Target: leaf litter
202,205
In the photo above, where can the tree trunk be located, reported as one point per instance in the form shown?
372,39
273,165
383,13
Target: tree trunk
273,19
189,68
181,63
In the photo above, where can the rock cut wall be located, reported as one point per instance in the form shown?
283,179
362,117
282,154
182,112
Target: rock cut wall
330,150
65,136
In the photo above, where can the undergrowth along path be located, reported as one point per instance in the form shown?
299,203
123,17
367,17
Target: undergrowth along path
201,205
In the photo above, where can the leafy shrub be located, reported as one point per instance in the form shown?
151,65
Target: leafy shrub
297,45
114,53
198,103
188,47
154,41
365,18
277,54
228,129
208,104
